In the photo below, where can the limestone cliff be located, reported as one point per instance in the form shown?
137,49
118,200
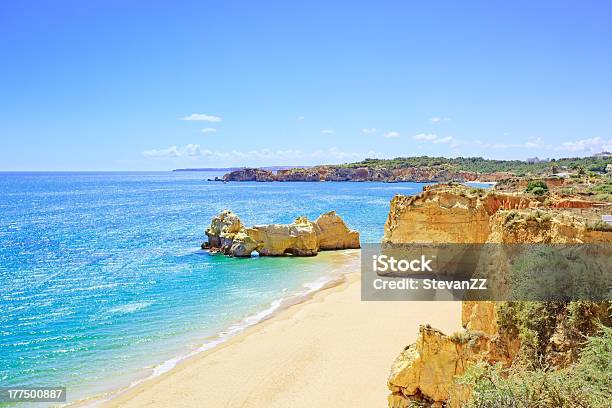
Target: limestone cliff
340,173
426,371
227,235
449,213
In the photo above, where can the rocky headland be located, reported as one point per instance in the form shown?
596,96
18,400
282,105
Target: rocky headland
428,372
441,169
338,173
227,235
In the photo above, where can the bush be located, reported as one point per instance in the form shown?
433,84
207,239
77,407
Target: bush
585,384
539,191
605,188
536,184
477,191
534,323
569,191
599,226
511,217
539,216
603,197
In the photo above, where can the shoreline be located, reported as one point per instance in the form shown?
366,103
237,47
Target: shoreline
341,268
303,349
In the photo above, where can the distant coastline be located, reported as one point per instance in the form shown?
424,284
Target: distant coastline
429,169
269,168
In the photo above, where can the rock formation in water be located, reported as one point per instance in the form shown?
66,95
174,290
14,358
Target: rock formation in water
426,371
334,234
226,234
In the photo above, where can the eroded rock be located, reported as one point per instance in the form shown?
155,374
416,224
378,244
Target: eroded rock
426,371
303,237
334,234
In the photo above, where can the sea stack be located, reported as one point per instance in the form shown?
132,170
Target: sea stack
302,237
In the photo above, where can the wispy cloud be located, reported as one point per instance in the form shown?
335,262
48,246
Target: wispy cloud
368,130
189,150
447,139
536,143
438,119
327,131
209,130
425,136
392,134
300,118
202,117
435,139
593,144
192,153
588,145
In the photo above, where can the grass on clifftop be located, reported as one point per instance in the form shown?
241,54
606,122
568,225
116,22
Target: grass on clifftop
584,384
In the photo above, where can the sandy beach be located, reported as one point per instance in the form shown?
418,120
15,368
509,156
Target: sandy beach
332,350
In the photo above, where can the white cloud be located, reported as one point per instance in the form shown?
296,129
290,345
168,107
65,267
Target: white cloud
437,119
446,139
300,118
209,130
536,143
425,136
327,131
435,139
202,117
194,153
593,145
585,146
392,134
172,151
368,130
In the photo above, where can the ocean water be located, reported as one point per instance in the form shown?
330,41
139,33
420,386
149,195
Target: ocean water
103,282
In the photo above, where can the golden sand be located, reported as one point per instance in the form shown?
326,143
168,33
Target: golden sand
332,350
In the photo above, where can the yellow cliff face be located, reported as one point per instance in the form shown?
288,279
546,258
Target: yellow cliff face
426,370
481,316
448,214
456,214
520,226
437,216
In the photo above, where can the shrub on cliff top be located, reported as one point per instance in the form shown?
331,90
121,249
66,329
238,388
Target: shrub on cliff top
585,384
538,191
599,226
511,217
536,322
538,187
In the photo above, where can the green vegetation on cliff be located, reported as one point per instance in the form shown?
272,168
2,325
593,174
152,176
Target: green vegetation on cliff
565,358
482,165
584,384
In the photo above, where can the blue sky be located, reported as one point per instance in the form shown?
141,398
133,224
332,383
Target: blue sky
108,85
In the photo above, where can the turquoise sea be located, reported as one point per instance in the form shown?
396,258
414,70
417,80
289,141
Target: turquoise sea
103,282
